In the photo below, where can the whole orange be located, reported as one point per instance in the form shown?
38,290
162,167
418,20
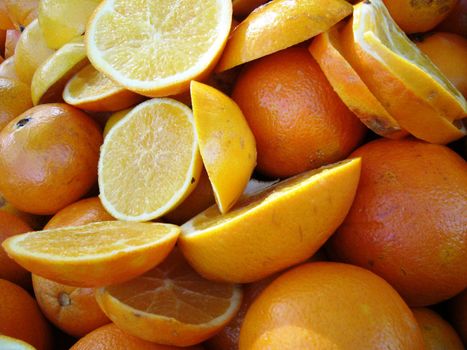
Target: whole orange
456,22
449,53
48,158
21,318
9,270
326,305
298,121
407,222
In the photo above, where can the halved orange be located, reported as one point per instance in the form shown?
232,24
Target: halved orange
93,255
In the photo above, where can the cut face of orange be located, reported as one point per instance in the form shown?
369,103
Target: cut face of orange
171,304
271,230
156,48
93,255
278,25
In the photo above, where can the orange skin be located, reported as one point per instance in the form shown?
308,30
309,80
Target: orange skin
15,99
449,53
456,22
438,334
9,270
327,305
21,318
298,121
407,222
48,158
111,337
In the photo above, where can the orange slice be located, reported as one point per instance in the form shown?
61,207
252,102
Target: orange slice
157,48
171,304
91,90
271,230
349,86
225,142
22,12
278,25
93,255
8,70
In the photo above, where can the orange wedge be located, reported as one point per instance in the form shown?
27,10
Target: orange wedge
5,20
351,89
7,69
157,48
91,90
403,79
22,12
226,142
242,8
278,25
271,230
93,255
171,304
11,39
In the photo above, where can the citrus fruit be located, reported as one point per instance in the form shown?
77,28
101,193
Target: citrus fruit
11,39
407,223
95,254
153,147
242,8
30,52
114,119
111,337
22,12
51,76
405,81
48,158
171,304
91,90
271,230
416,16
449,53
73,310
79,213
149,48
437,333
15,98
11,225
351,89
32,220
457,312
456,21
8,70
298,121
225,142
324,305
5,20
9,343
21,318
64,20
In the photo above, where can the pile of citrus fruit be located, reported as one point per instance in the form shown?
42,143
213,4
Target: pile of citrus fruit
233,174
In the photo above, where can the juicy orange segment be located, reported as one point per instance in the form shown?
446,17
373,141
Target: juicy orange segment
171,304
278,25
95,254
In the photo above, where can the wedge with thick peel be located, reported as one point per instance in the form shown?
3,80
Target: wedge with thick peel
91,90
279,25
225,142
9,343
30,52
51,76
149,161
351,89
271,230
93,255
157,48
171,304
403,79
64,20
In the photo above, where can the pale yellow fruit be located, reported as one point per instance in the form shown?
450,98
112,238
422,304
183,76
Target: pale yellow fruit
9,343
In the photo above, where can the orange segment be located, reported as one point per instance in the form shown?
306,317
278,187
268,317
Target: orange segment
22,12
171,304
273,229
278,25
225,142
349,86
91,90
95,254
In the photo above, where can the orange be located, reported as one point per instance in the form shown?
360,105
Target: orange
457,311
5,20
242,8
15,98
22,12
2,41
437,333
415,16
21,318
36,222
48,158
79,213
326,305
456,21
298,120
11,39
8,70
111,337
9,270
449,53
407,222
171,304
